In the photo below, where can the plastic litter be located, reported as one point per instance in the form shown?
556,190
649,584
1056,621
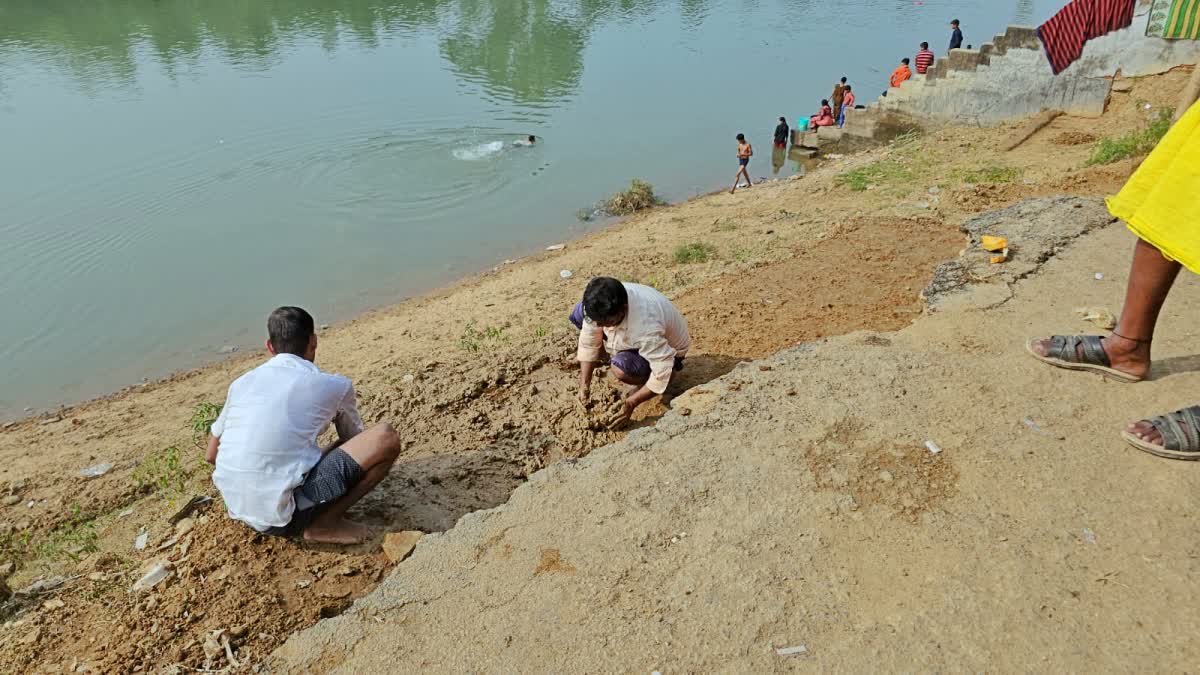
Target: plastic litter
142,539
1028,421
933,447
993,244
566,274
1098,315
555,247
152,578
1099,276
798,650
1089,536
96,471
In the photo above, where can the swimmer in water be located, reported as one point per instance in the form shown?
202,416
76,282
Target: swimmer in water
527,143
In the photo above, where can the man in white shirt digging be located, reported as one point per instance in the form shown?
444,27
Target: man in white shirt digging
269,469
645,334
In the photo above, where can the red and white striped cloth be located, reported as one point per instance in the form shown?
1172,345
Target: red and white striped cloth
1081,20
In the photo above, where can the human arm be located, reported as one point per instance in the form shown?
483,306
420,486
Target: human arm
586,368
214,435
214,444
591,341
347,421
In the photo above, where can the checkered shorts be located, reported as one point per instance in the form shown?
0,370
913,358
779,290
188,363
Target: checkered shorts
328,481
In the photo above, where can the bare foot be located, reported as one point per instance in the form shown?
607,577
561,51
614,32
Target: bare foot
1126,356
340,532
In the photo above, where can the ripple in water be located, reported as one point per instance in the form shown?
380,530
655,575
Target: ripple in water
475,153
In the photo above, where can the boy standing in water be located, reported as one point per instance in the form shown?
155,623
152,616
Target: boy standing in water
781,134
744,152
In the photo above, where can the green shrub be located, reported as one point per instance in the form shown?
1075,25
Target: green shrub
1133,144
202,420
696,252
167,470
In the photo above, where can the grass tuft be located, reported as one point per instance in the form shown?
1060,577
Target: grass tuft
695,252
202,420
1133,144
167,470
474,340
991,174
887,173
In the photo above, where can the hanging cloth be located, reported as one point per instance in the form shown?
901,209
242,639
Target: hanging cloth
1174,20
1081,20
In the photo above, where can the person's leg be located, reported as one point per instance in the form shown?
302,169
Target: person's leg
630,368
374,450
576,317
1150,279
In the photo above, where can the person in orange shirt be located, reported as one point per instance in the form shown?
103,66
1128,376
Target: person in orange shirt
900,74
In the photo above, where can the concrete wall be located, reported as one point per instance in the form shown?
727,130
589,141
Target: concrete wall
1011,77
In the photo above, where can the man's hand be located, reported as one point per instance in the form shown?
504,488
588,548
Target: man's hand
585,380
621,419
629,405
210,455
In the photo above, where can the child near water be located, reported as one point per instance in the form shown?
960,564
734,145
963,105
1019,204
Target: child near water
744,152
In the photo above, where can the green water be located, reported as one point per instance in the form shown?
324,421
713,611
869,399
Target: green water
172,170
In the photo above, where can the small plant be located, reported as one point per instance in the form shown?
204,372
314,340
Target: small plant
695,252
540,331
725,226
474,339
884,173
640,195
73,539
202,420
1134,143
742,255
583,215
992,174
166,470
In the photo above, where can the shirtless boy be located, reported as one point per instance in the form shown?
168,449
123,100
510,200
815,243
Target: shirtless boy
744,152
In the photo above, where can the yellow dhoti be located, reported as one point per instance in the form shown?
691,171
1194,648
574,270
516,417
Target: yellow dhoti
1161,200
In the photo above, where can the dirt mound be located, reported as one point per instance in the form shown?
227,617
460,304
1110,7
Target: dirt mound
866,273
1073,138
795,504
223,577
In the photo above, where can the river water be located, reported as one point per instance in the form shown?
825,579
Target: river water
171,170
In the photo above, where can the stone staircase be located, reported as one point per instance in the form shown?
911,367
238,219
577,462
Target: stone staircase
901,111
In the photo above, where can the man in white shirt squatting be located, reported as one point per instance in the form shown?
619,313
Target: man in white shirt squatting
269,469
647,336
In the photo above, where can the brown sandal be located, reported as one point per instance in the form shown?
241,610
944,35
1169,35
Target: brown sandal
1180,432
1066,352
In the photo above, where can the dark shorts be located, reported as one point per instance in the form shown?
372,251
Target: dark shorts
629,361
743,161
327,482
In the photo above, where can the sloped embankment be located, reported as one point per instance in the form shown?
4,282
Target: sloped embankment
794,502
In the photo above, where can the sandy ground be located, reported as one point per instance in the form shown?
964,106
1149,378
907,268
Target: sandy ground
793,503
481,410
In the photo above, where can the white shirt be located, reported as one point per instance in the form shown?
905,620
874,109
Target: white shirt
268,432
652,326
